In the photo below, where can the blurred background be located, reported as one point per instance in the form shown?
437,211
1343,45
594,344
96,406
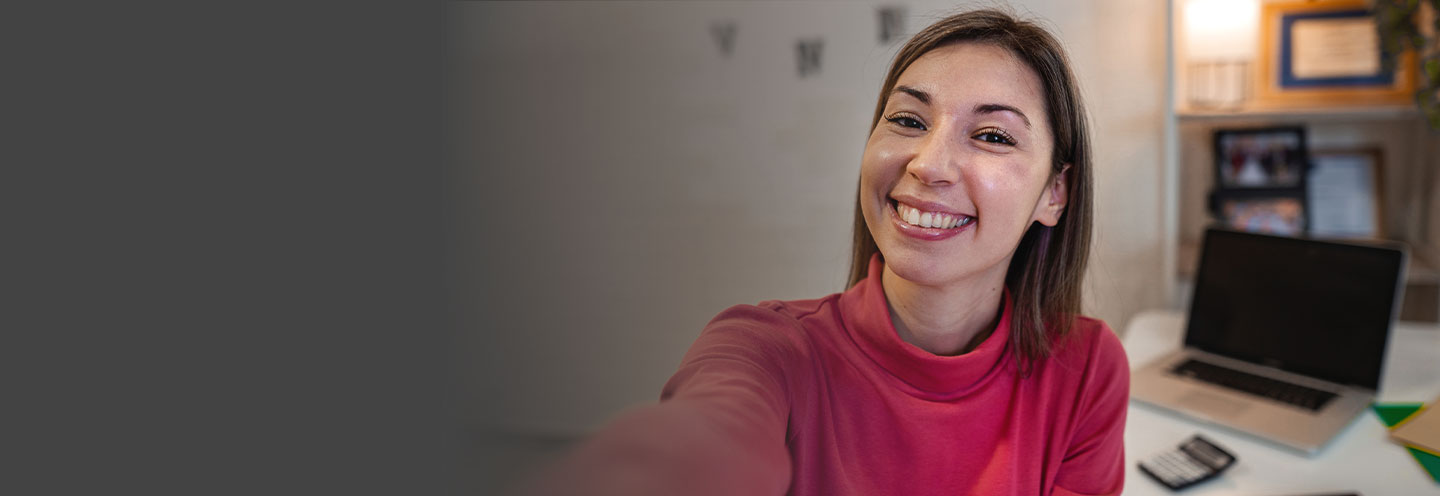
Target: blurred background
629,169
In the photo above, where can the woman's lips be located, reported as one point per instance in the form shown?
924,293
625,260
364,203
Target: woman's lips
959,221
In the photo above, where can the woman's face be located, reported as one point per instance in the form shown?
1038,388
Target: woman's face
959,166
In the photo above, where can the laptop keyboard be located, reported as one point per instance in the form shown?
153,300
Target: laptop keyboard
1294,394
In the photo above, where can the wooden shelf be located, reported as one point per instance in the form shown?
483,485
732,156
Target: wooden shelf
1423,269
1352,113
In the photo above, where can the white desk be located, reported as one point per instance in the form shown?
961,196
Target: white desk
1360,459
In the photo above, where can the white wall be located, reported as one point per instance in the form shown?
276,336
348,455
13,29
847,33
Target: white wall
622,181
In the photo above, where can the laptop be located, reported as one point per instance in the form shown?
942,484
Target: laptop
1285,340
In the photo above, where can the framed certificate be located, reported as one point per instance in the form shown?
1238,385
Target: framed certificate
1345,193
1324,54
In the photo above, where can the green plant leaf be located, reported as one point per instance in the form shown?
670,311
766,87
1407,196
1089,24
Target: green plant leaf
1398,27
1428,99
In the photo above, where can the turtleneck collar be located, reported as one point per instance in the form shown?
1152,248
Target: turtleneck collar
867,319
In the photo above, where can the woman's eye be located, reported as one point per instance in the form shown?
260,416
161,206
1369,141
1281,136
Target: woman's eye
906,121
995,136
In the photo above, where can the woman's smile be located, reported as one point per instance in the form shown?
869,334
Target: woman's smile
930,224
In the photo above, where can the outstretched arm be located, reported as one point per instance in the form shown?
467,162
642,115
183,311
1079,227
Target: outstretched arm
719,429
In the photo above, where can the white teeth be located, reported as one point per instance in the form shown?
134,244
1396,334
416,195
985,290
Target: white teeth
914,216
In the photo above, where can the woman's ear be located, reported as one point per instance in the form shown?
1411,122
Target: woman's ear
1052,201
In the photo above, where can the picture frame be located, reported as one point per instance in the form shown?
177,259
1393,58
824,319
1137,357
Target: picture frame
1281,214
1346,193
1268,158
1317,54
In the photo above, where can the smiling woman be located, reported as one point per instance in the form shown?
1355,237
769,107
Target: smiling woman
977,84
956,362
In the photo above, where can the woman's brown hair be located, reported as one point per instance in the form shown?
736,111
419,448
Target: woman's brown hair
1046,274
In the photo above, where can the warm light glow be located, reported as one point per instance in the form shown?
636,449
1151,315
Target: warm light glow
1221,29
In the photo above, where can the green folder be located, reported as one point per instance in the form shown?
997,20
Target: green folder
1393,413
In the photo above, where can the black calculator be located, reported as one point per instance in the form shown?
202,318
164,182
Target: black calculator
1196,460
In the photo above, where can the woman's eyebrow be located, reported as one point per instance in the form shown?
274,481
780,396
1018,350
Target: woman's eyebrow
984,108
918,94
990,108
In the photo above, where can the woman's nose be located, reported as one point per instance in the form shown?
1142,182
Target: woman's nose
938,161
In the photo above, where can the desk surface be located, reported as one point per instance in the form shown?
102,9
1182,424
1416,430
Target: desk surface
1360,459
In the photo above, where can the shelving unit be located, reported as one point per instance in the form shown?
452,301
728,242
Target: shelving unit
1337,114
1409,177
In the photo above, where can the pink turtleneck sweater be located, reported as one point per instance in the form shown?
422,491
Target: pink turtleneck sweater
822,397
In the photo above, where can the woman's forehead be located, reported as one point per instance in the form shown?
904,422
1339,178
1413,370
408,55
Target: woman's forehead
964,72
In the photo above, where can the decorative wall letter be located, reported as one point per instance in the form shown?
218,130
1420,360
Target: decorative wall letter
892,23
808,55
724,32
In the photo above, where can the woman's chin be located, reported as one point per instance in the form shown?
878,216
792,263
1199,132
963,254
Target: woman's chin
926,269
919,269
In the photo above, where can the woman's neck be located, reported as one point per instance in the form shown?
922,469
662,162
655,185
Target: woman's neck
945,321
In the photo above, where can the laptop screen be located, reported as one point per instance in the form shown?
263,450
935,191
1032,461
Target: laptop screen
1310,307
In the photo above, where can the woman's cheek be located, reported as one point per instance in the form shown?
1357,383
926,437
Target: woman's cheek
999,190
986,181
879,163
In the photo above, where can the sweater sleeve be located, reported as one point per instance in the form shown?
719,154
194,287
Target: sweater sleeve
1094,463
719,428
